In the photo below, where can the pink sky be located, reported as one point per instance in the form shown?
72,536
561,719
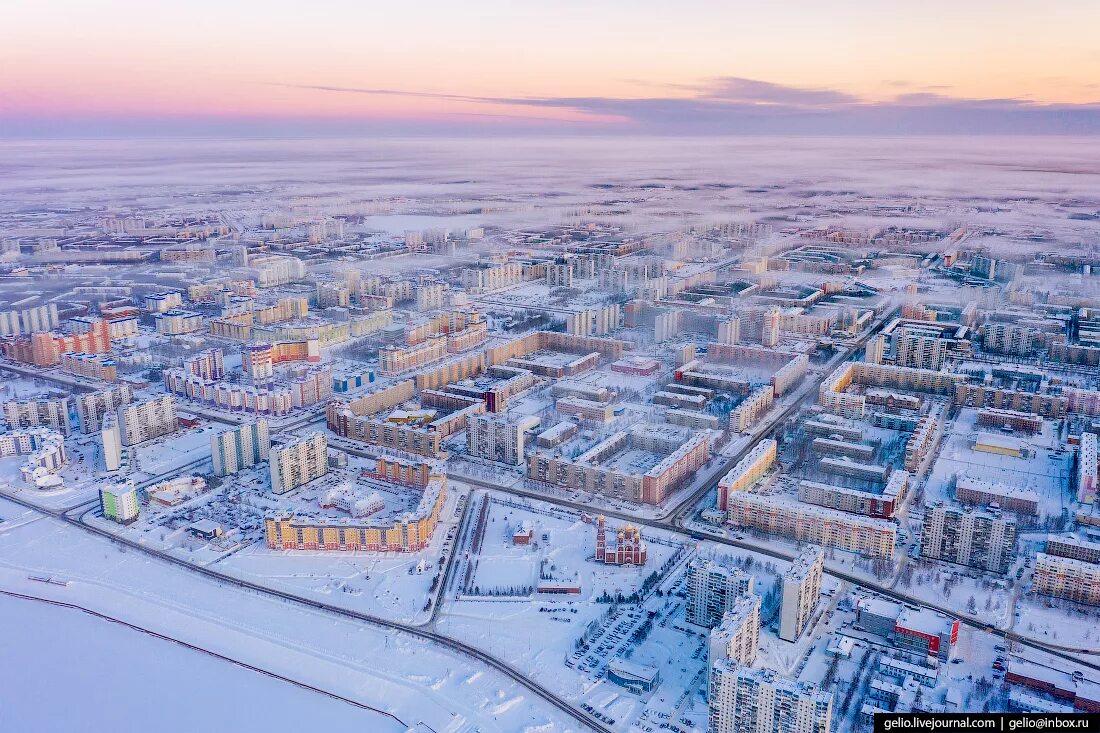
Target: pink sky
66,60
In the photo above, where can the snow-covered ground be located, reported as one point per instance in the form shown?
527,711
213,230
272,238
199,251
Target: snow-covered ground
1046,471
111,676
409,677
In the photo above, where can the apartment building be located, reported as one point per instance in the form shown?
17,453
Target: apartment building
747,471
1086,468
298,463
856,501
45,348
232,397
272,270
208,364
979,539
91,407
119,502
29,320
178,322
1066,577
50,412
397,359
403,532
712,589
754,407
684,452
805,523
746,700
285,309
259,360
90,366
1071,547
991,493
148,419
111,441
240,447
364,419
162,302
488,276
1008,338
729,332
496,437
801,589
986,396
737,635
834,398
917,350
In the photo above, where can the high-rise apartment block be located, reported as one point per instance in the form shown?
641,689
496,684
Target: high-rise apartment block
29,320
119,502
497,438
111,440
178,322
744,700
91,407
1086,469
737,637
148,419
769,330
51,412
162,302
208,364
801,589
980,539
918,351
712,589
298,463
240,447
729,332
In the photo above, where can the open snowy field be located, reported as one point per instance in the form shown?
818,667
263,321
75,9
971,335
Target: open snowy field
62,649
401,674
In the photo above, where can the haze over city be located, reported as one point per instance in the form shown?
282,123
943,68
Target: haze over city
543,367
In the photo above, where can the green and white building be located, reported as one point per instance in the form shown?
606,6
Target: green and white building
120,502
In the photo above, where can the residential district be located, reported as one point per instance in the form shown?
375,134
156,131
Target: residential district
755,475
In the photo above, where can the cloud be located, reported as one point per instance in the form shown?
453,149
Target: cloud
736,89
720,106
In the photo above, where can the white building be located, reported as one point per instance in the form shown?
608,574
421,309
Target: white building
497,438
49,412
965,536
91,407
240,447
712,590
29,320
111,437
744,700
737,637
801,588
178,322
1086,469
148,419
299,462
729,332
